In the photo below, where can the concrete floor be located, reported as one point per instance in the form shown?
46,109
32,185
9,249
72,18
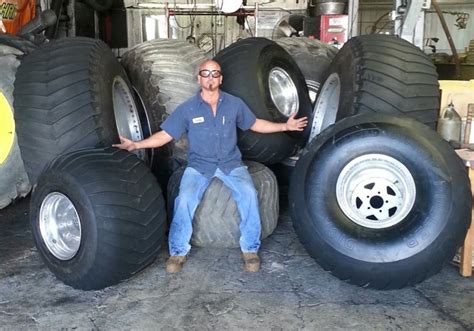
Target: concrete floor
291,292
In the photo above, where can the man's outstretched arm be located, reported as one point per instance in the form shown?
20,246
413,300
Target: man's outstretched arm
156,140
263,126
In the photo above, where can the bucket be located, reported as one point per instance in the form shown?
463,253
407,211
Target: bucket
327,7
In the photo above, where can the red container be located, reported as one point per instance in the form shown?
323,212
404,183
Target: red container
332,29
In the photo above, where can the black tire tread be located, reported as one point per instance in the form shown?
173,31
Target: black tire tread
384,273
168,68
216,221
164,72
131,229
59,104
394,75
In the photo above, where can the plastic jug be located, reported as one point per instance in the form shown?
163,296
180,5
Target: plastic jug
450,124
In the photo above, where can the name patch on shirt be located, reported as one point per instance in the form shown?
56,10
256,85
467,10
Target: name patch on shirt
198,120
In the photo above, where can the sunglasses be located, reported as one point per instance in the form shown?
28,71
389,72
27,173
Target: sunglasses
206,73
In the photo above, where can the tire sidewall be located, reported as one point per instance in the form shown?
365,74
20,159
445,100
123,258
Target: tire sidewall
105,76
344,66
430,236
400,241
270,58
262,55
84,259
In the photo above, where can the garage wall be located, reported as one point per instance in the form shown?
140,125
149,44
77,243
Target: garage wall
215,32
461,38
210,32
369,14
375,18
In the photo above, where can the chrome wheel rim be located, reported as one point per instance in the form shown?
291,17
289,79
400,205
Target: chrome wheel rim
375,191
313,88
126,113
283,91
327,104
149,153
60,226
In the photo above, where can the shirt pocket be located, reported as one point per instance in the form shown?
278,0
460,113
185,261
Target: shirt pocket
225,128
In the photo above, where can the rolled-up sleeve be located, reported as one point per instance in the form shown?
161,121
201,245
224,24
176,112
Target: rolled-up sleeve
245,117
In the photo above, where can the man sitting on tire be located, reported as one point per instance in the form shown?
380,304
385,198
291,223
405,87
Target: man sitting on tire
210,119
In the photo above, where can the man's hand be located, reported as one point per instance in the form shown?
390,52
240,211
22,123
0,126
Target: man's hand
263,126
156,140
126,144
296,124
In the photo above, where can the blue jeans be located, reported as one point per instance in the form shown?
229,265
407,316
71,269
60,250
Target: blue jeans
192,188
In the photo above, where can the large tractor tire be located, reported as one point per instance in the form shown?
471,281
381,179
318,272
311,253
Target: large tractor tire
313,57
98,217
380,201
268,80
13,178
216,221
163,72
378,74
72,93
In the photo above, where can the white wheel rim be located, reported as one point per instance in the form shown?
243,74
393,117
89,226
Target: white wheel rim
327,105
283,91
60,226
375,191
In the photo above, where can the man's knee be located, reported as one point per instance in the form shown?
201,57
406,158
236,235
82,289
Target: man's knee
189,190
186,197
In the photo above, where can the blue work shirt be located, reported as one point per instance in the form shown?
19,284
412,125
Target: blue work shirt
212,139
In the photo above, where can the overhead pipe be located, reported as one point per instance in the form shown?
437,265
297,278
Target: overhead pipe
203,13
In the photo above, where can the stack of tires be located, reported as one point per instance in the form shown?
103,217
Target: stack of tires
376,196
98,214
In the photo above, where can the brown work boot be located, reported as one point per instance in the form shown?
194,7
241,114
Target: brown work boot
251,262
175,263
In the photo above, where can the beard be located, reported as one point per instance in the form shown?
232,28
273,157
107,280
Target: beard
212,87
